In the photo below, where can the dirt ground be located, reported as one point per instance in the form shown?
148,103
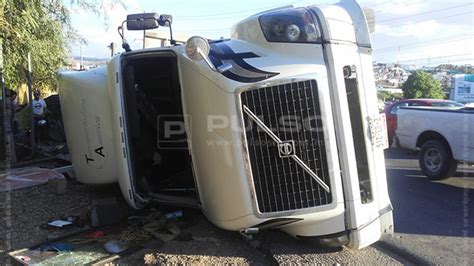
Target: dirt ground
25,211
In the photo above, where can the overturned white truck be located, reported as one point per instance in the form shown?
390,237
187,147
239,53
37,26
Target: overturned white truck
277,127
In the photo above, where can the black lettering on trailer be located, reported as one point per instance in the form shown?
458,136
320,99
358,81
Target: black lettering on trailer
99,151
88,159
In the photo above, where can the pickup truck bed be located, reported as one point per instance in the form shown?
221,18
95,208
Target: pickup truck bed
444,137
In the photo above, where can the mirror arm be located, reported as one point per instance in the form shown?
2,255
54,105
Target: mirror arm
224,67
219,69
172,41
125,44
119,29
206,59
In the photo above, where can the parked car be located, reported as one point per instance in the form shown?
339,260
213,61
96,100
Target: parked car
442,135
391,111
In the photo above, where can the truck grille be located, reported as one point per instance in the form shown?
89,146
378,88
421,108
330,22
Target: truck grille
292,113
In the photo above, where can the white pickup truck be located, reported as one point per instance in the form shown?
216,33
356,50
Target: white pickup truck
443,136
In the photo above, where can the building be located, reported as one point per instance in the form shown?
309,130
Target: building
161,39
462,88
389,76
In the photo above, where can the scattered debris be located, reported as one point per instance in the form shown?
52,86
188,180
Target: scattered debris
105,212
57,185
95,234
164,237
152,244
59,223
115,246
111,238
26,177
173,215
57,247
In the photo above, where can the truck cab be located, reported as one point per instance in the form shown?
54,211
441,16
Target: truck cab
277,127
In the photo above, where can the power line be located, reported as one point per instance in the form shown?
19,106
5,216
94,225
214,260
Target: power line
437,18
395,25
218,16
390,26
224,15
423,13
436,63
237,12
430,40
414,45
243,12
377,4
391,2
438,57
209,31
425,41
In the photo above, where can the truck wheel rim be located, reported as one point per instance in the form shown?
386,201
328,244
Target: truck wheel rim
432,159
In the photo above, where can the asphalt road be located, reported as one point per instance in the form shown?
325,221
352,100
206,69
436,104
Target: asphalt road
434,221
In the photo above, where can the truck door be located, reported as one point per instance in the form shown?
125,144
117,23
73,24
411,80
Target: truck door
120,132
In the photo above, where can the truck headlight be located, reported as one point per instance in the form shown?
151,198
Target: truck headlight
295,25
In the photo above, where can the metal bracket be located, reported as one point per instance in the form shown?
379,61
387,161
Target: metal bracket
248,232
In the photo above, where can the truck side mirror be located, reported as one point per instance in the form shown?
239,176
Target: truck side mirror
197,48
142,21
165,20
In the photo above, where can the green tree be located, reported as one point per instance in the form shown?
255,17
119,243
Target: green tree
422,85
42,28
385,95
446,84
33,26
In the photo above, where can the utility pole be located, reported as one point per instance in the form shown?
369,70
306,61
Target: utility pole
81,67
30,96
398,55
144,35
112,49
7,111
6,129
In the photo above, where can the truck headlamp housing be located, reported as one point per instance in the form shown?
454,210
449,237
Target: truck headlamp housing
294,25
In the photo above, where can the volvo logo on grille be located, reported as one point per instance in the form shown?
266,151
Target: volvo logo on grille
286,148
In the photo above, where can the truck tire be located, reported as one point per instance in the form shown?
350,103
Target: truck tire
436,160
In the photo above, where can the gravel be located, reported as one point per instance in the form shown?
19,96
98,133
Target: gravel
25,211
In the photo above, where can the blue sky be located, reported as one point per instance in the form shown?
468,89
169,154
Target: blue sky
421,32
